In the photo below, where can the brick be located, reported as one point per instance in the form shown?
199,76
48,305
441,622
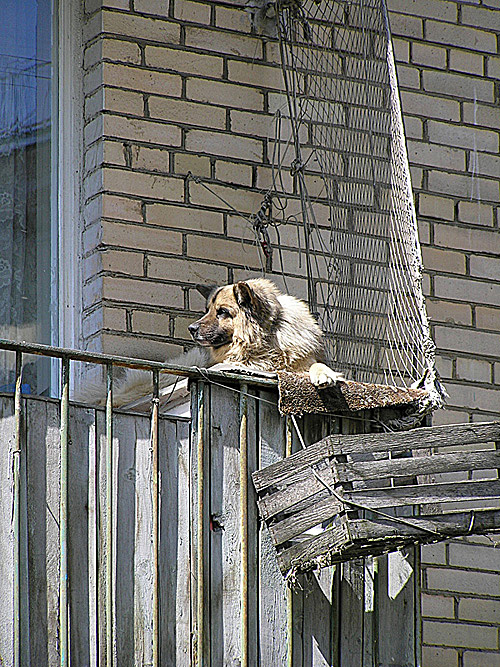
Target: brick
452,313
224,42
232,172
442,633
439,657
496,371
196,164
256,124
406,26
485,267
457,85
92,323
474,398
157,7
192,12
425,54
475,557
234,19
468,38
479,17
474,240
143,291
475,212
138,346
123,100
481,659
151,159
449,416
142,80
486,165
481,115
143,185
181,60
189,113
152,323
244,201
437,606
488,318
493,67
140,27
121,208
401,50
475,342
118,261
444,261
474,609
434,553
141,237
413,127
225,94
463,186
436,207
467,290
181,327
474,370
408,77
182,218
444,10
262,76
223,250
121,51
224,145
436,156
430,106
114,318
467,62
182,270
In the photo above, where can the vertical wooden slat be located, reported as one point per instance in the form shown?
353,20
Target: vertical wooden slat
63,519
156,518
201,620
7,544
109,519
243,414
16,518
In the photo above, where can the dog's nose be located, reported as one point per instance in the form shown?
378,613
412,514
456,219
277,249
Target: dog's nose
193,328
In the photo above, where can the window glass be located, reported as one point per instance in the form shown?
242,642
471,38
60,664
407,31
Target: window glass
28,243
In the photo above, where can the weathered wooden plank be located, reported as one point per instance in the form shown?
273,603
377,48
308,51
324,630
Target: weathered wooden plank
175,520
419,438
284,499
411,467
7,444
302,554
81,435
424,493
225,539
298,522
43,460
272,588
278,472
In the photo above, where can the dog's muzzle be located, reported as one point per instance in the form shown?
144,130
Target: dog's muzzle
193,329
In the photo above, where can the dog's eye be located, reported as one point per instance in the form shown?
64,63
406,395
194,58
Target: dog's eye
223,312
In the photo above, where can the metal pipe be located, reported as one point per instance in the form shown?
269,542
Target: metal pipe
16,474
63,518
244,522
109,517
200,601
289,592
264,379
155,508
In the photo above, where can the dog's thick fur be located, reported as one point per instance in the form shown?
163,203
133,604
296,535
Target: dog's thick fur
249,324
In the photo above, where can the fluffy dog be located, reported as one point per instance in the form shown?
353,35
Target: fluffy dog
250,324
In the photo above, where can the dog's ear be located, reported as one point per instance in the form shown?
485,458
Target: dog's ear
206,290
244,295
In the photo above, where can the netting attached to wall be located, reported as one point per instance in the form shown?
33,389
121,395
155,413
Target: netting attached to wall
343,133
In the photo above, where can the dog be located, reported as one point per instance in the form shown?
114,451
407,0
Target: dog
249,324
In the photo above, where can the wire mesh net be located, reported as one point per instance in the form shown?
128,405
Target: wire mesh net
341,140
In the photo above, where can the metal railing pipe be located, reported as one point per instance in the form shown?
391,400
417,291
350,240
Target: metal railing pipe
16,474
63,518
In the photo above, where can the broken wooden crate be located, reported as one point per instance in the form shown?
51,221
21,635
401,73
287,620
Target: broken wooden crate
373,493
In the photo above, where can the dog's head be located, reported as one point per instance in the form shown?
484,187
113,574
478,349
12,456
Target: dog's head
232,308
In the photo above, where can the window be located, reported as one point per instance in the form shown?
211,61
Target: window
28,228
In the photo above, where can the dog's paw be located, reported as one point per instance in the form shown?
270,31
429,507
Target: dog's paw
323,376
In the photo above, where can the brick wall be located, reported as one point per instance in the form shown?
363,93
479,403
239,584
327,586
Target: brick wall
449,65
177,86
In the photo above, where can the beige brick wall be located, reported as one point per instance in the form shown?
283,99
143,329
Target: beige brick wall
179,86
453,130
